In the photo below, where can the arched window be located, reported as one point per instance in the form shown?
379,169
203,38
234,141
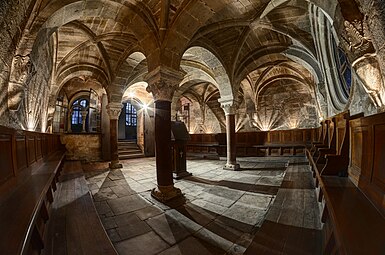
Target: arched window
345,72
77,107
131,118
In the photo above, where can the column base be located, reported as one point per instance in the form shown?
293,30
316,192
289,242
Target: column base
165,193
233,167
181,175
115,165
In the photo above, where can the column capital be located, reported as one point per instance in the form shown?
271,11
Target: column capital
229,105
113,110
162,82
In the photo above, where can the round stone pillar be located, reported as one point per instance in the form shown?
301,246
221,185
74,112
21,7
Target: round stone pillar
229,109
84,118
162,82
69,122
113,110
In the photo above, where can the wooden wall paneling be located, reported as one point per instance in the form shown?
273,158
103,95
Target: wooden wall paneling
44,147
49,144
286,136
366,155
38,140
7,170
376,189
379,156
241,138
21,151
31,148
299,136
274,137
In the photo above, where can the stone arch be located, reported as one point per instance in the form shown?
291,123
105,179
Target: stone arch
134,63
200,54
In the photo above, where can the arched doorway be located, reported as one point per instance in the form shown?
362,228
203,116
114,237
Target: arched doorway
128,121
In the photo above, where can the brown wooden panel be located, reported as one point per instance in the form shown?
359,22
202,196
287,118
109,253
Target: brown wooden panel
361,151
39,154
6,159
49,143
31,148
379,157
286,136
298,136
340,137
44,145
241,138
21,152
274,137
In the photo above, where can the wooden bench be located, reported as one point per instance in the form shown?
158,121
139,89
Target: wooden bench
322,139
352,225
281,148
260,143
75,227
203,148
353,220
32,162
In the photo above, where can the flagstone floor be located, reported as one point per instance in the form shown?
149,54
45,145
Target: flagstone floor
221,212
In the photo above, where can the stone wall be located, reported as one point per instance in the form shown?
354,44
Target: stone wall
11,32
203,120
85,147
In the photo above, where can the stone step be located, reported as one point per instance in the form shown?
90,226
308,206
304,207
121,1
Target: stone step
131,156
128,148
129,152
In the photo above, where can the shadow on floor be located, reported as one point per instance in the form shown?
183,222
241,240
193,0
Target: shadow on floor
254,188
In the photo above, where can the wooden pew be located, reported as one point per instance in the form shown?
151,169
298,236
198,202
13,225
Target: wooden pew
202,143
329,142
322,138
280,142
351,208
31,163
352,225
324,142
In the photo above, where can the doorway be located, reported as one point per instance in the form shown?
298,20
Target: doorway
128,122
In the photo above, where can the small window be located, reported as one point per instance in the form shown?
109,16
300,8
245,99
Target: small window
130,115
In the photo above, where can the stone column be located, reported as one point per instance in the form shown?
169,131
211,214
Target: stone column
162,82
69,121
84,118
229,109
113,110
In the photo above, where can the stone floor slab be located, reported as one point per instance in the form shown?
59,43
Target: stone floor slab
127,204
146,244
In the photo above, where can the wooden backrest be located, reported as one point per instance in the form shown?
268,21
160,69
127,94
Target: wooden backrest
320,132
20,150
296,136
325,131
331,133
367,157
342,133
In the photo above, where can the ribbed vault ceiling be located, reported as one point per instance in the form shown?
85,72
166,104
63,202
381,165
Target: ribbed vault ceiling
118,42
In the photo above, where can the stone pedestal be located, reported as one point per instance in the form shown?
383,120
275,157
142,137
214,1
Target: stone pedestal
179,158
114,110
162,83
231,163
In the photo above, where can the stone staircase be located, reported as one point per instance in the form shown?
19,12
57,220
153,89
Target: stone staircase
129,150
